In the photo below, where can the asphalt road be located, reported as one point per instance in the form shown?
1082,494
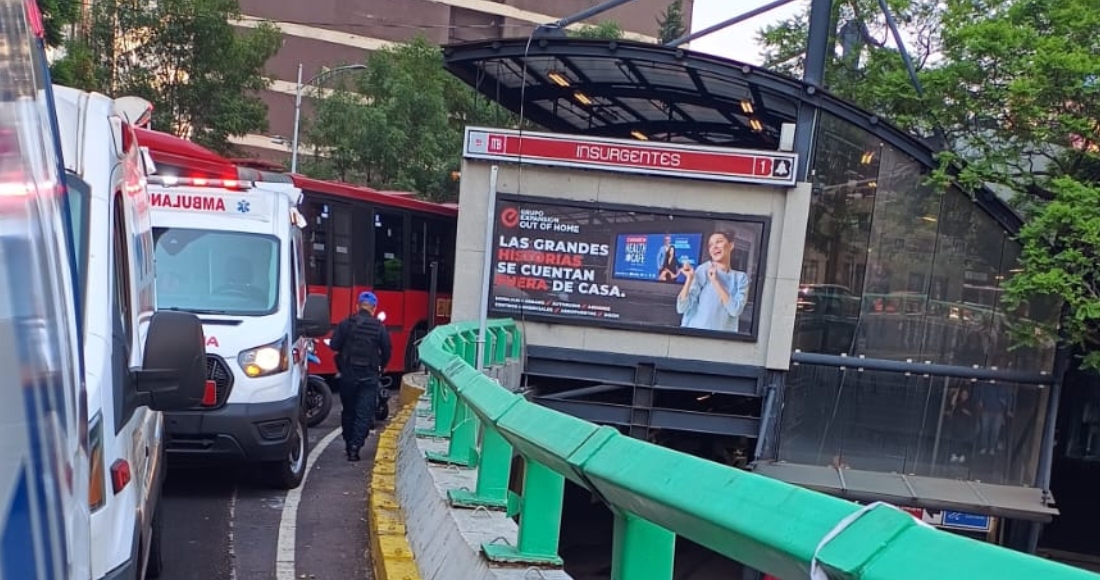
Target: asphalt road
222,524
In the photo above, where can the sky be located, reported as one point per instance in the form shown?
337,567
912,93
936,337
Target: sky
737,42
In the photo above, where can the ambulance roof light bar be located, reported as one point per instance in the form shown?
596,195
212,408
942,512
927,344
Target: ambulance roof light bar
174,181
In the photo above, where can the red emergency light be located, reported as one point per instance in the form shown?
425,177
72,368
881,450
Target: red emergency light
173,181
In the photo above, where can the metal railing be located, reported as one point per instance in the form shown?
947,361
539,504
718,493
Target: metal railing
657,494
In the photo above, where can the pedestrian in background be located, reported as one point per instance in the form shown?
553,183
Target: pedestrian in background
363,349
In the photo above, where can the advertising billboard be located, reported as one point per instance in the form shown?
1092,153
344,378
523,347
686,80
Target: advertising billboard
628,267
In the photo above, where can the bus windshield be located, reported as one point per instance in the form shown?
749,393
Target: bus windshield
216,272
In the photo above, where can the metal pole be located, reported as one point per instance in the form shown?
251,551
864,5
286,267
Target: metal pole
727,23
813,74
589,13
298,103
297,120
433,294
901,47
487,265
765,419
1063,357
817,43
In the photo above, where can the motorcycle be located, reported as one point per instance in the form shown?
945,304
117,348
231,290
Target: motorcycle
318,393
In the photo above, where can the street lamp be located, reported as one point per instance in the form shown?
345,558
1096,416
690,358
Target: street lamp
298,103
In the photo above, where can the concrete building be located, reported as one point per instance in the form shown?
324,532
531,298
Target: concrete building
327,33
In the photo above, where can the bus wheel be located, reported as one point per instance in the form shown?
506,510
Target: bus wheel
412,357
289,472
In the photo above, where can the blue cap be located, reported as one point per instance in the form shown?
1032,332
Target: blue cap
369,298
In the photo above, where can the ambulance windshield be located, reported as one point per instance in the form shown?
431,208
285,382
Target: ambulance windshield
217,272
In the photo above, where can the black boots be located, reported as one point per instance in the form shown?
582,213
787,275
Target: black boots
353,454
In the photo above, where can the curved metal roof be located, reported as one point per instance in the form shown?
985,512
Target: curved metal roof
629,89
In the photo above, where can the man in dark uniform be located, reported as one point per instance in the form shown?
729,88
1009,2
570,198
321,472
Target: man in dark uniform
362,347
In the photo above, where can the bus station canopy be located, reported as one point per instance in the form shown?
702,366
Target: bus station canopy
628,90
635,90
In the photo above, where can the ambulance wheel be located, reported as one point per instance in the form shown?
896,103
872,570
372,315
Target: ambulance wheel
288,473
155,565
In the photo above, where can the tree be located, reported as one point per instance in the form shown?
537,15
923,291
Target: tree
185,57
401,127
606,30
1020,93
861,65
1014,91
670,24
57,15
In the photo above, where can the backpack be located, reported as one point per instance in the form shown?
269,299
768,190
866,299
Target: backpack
361,348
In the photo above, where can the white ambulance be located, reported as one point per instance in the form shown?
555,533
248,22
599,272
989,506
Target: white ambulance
231,252
43,450
137,362
55,259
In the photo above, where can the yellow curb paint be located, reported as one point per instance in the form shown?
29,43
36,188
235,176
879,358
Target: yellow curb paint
391,556
409,395
384,469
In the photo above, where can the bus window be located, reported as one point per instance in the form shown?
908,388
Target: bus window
432,240
444,243
389,245
316,241
341,245
362,266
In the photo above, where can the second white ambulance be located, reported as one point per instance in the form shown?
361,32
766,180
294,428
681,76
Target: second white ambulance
231,253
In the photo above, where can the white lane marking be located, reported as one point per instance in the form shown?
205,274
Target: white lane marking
232,552
288,524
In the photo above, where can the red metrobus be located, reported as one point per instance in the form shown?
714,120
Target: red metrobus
357,239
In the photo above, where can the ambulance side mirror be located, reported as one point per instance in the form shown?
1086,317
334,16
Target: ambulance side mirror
173,373
315,321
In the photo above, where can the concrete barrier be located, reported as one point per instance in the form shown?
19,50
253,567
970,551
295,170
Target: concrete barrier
447,541
389,552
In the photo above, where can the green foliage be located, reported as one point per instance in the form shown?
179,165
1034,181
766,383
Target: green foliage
401,128
57,17
1014,89
606,30
77,68
185,57
861,65
670,24
1059,260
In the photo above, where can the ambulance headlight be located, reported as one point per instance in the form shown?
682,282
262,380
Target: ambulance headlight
265,360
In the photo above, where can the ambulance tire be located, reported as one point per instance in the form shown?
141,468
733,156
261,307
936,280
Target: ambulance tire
288,473
155,566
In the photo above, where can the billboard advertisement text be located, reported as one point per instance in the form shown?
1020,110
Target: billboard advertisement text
628,267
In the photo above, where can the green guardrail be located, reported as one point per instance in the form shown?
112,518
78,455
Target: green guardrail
657,494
